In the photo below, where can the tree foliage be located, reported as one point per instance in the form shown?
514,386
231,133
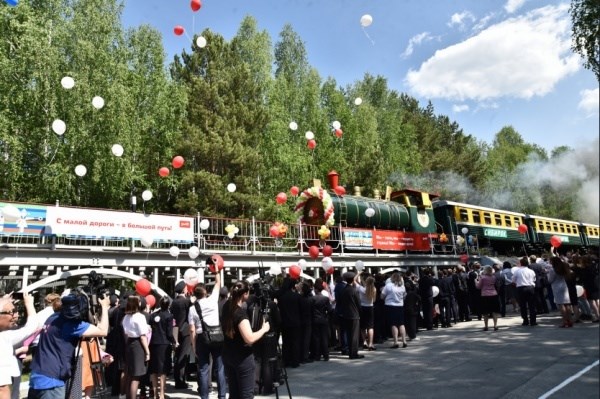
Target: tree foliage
585,18
226,108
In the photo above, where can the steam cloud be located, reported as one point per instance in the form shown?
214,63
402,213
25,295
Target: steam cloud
574,173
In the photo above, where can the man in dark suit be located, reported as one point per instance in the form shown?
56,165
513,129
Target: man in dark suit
183,343
348,308
289,308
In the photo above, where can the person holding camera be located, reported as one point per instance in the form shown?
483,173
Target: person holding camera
205,311
238,356
62,332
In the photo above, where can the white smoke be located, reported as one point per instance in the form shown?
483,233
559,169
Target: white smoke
573,172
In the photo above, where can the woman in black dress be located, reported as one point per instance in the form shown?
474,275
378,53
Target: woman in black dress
238,356
161,344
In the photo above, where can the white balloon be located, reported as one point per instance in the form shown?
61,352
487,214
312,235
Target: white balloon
80,170
190,277
147,241
117,150
231,187
360,265
194,252
147,195
293,126
464,230
204,224
174,251
11,213
366,20
59,127
327,263
336,124
201,41
369,212
357,101
302,263
579,290
435,290
98,102
67,82
275,270
309,135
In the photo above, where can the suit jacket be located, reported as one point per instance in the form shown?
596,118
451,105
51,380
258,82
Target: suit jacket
348,305
179,310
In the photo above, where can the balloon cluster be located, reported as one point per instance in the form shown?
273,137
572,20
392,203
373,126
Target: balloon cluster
231,230
144,289
179,30
337,129
311,143
278,230
324,232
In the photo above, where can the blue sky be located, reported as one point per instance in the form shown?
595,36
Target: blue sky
485,64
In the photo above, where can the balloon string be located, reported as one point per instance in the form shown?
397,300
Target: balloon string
368,37
189,38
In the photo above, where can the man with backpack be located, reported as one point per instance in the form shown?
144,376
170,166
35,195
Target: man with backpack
56,359
461,292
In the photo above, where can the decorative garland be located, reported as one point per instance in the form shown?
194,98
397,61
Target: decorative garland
323,195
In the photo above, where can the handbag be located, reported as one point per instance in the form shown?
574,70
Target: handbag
211,335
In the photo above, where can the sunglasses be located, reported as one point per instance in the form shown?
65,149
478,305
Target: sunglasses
10,312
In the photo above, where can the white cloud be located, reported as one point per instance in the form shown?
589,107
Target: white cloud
520,57
513,5
459,19
483,22
589,102
456,108
415,40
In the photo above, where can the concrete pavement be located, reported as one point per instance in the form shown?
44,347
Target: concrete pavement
459,362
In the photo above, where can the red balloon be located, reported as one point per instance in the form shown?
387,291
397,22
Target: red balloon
294,190
464,259
215,263
143,287
522,228
294,272
195,5
313,251
311,144
329,271
164,171
178,30
274,231
338,133
555,241
327,250
281,198
150,300
178,162
340,190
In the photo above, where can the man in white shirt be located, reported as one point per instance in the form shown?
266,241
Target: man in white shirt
524,279
208,307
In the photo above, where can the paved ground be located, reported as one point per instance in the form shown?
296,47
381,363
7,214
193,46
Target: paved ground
460,362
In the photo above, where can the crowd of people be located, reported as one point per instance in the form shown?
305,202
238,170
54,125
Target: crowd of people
232,335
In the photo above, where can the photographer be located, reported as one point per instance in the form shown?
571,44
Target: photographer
52,366
238,356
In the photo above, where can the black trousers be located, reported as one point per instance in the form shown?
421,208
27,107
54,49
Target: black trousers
352,330
320,341
182,358
526,298
427,306
290,346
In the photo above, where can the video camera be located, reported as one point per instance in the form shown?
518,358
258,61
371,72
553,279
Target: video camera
96,289
263,294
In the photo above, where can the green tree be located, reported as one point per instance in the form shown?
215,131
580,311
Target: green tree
585,18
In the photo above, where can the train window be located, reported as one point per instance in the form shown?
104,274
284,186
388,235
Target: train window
498,220
476,217
487,218
464,215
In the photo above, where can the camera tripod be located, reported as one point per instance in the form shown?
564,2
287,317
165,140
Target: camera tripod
273,373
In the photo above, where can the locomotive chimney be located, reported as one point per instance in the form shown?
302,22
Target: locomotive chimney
357,191
376,194
334,179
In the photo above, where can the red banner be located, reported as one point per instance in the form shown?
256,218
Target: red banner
389,240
